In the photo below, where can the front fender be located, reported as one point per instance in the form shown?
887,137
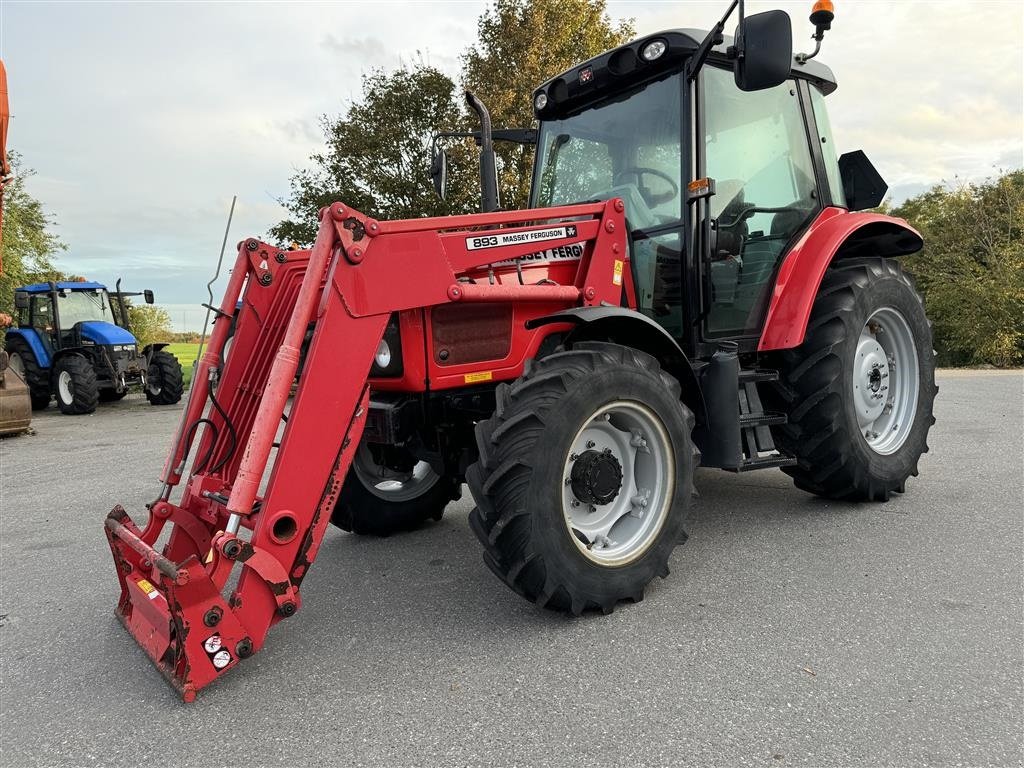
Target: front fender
621,325
835,234
149,349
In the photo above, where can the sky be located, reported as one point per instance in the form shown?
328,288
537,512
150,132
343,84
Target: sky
142,120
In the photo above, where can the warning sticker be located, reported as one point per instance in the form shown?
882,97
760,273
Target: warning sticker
617,276
148,588
219,656
475,378
499,239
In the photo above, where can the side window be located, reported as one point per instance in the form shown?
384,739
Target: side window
756,149
828,148
577,170
42,317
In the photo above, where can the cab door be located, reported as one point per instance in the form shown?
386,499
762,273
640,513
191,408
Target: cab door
756,147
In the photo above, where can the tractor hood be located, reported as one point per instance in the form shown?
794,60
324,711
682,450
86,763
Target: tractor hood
100,332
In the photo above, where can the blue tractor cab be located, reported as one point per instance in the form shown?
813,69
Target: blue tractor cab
73,342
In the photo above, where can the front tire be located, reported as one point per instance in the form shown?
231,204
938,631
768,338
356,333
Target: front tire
164,379
584,478
23,360
859,391
75,385
378,500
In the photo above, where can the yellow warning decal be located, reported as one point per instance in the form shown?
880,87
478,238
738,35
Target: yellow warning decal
476,378
148,588
617,279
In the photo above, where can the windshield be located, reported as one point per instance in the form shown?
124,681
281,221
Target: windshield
626,148
81,306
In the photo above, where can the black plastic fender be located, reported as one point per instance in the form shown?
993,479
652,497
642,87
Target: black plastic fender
621,325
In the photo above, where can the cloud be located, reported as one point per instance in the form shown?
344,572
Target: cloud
144,119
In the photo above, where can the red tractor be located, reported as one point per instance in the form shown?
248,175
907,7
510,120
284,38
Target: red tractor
691,285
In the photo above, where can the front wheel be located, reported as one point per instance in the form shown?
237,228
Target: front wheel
584,478
77,391
164,379
387,491
859,390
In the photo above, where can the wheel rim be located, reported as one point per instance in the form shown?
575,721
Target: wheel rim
67,395
389,484
153,384
886,381
625,444
17,365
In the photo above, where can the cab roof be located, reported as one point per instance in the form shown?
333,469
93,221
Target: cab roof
623,67
64,285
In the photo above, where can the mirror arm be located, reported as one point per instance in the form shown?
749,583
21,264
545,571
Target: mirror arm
803,58
714,38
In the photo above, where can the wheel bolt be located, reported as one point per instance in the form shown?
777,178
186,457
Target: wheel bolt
591,443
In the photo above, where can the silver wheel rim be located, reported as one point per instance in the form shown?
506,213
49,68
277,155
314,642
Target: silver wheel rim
391,485
64,388
620,530
17,365
153,385
886,381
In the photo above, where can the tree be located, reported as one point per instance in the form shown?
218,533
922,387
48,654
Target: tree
971,270
29,247
523,43
149,324
377,157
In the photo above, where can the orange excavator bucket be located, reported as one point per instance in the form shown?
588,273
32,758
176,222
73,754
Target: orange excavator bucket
15,403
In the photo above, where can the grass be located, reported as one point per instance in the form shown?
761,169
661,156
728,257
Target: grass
186,354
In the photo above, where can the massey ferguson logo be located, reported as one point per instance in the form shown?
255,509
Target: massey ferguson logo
500,239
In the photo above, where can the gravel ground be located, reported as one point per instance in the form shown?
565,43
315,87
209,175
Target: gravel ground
792,631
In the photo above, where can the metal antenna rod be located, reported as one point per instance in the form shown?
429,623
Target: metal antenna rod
209,285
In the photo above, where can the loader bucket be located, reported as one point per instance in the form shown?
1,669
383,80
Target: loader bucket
15,403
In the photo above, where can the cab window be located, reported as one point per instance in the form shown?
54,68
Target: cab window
756,149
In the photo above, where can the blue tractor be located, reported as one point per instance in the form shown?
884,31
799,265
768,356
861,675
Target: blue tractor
73,343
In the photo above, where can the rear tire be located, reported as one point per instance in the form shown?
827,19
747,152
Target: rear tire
375,501
75,385
23,360
559,471
867,354
164,379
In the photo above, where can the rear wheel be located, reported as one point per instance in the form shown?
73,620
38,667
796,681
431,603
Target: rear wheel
584,478
75,385
387,491
859,390
23,360
164,379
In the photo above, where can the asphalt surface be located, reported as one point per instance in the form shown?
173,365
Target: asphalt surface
792,631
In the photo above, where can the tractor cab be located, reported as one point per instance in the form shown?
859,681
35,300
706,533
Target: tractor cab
720,175
73,340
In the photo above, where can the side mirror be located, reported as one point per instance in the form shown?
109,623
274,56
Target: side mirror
765,50
21,299
148,296
863,186
439,172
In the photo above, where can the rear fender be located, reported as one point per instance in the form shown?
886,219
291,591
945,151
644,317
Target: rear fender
31,337
628,327
835,234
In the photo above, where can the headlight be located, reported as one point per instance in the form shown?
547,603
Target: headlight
540,101
654,50
383,356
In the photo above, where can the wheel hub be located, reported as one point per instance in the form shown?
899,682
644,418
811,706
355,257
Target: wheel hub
871,380
596,477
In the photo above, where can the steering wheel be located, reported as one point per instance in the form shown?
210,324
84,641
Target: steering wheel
652,200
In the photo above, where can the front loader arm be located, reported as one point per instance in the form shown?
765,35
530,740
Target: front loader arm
359,271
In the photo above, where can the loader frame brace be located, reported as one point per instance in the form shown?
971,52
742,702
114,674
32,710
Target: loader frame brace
172,599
